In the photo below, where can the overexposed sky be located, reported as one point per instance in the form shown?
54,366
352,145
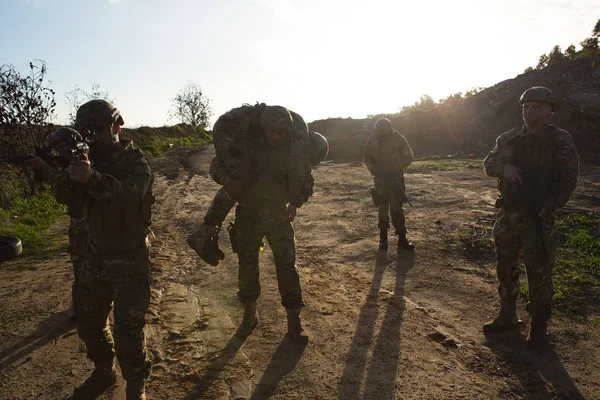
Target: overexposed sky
328,58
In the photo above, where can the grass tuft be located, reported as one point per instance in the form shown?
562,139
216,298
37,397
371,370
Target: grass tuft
28,217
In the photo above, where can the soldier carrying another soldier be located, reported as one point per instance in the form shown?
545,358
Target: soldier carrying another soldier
537,168
263,158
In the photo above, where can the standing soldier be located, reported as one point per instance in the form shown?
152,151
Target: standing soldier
387,154
537,169
116,188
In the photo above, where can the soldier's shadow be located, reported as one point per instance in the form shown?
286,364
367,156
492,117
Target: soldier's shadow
214,370
383,366
534,367
283,362
47,331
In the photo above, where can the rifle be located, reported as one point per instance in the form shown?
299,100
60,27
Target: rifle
78,150
45,153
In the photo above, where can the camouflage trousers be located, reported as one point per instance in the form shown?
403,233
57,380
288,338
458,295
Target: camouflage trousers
391,195
251,226
78,240
123,280
516,236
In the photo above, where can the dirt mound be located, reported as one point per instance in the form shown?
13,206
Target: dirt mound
472,125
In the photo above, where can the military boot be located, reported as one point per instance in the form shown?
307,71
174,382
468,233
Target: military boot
295,329
538,336
249,321
135,390
103,377
383,239
506,319
403,243
205,242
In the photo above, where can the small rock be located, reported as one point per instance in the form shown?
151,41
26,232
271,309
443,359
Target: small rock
437,337
450,343
241,390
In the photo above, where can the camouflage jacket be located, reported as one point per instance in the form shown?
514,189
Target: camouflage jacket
117,199
238,140
551,159
75,205
387,152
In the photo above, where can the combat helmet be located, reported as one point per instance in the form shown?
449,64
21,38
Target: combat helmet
276,118
96,113
67,135
538,93
383,124
318,148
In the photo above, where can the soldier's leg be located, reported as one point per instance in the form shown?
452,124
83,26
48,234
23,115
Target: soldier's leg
539,254
77,262
507,236
94,303
78,238
383,210
280,235
398,218
130,275
248,236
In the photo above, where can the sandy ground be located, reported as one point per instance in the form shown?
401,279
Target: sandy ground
384,325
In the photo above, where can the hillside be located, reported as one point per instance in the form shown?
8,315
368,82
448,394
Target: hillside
156,141
474,123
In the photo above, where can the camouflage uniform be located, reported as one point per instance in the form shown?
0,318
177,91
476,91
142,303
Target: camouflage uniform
549,164
78,240
262,212
117,207
237,136
386,155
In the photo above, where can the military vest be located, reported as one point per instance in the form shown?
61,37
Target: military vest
533,154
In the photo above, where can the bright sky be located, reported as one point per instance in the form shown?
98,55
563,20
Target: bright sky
320,58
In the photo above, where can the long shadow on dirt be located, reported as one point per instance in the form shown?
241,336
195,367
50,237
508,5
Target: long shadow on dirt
283,362
214,370
48,330
381,375
534,367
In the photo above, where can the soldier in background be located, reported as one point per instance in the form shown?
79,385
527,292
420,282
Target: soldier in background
116,189
387,153
537,169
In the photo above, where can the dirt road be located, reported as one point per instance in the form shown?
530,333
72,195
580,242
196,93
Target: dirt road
393,325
